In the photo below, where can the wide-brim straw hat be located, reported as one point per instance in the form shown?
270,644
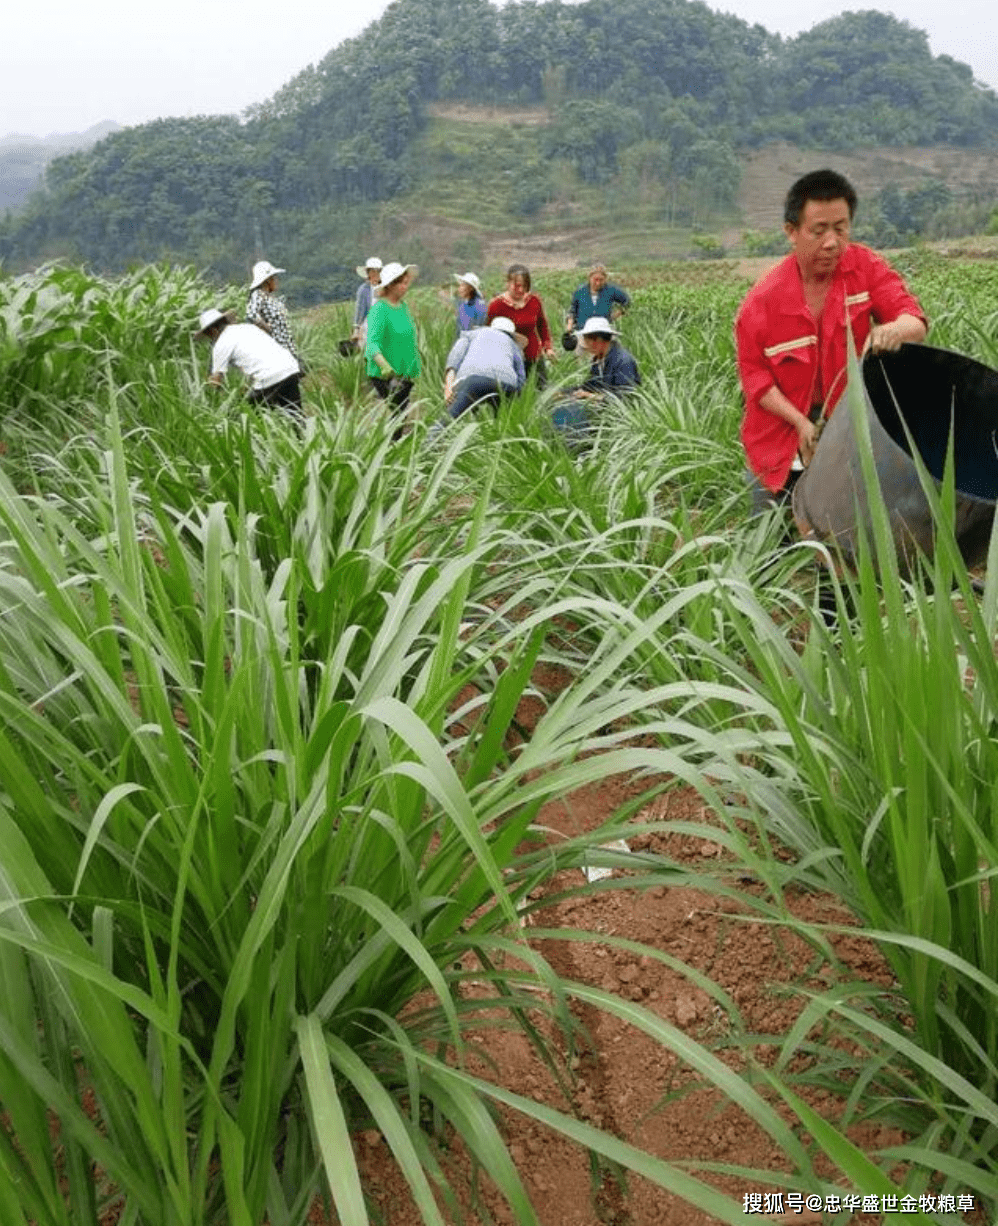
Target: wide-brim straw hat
263,270
392,271
212,316
502,323
596,325
469,278
362,269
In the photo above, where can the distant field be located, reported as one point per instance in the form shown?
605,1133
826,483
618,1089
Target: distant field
474,160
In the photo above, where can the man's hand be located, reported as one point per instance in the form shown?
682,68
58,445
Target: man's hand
807,439
889,337
885,338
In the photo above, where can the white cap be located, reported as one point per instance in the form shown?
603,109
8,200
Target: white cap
470,279
361,269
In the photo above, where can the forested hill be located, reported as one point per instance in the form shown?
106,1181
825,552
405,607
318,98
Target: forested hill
668,86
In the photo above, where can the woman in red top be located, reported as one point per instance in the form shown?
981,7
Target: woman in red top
527,313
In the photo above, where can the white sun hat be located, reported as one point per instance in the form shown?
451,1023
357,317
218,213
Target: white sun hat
263,270
502,323
469,278
212,316
597,325
362,269
391,272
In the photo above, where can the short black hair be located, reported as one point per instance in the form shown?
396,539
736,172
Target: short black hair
519,270
818,185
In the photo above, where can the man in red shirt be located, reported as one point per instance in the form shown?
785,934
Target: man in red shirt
791,335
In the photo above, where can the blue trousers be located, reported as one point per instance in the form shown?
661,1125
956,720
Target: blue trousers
477,390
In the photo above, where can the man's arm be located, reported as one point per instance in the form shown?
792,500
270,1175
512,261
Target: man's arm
899,315
221,357
889,337
453,364
776,403
758,381
625,375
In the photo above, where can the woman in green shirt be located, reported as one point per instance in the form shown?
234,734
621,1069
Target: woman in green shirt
392,358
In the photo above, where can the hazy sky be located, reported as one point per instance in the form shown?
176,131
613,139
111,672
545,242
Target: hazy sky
67,65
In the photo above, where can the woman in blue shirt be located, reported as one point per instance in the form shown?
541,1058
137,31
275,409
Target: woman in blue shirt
471,306
596,298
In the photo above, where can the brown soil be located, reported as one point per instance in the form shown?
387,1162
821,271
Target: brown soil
626,1082
621,1080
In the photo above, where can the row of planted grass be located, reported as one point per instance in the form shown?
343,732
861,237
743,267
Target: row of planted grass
247,827
269,854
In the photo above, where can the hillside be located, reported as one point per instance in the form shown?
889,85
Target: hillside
626,220
23,159
460,130
968,173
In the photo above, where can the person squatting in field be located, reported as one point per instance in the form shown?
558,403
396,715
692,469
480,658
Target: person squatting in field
272,370
483,366
791,331
613,372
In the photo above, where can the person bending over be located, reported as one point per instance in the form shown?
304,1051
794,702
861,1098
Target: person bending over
483,366
272,370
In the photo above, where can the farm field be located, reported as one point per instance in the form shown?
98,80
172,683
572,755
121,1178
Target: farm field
409,830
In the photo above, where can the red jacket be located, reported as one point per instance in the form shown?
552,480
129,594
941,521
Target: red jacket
777,340
530,322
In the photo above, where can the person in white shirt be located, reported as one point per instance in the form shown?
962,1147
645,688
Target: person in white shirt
273,371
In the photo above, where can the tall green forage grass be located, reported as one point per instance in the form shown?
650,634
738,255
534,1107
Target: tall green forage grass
262,822
238,849
875,765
